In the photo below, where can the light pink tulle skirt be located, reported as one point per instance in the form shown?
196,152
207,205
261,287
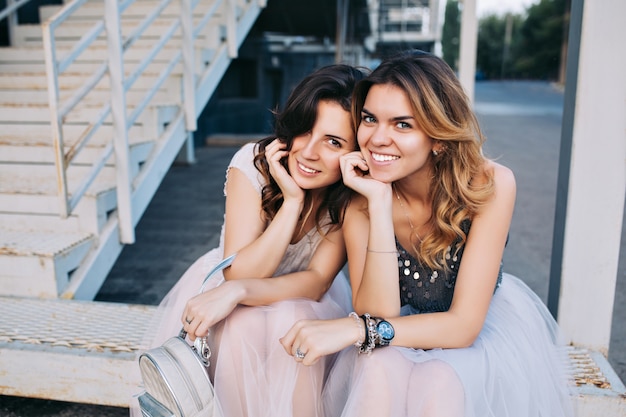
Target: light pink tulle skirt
516,368
252,374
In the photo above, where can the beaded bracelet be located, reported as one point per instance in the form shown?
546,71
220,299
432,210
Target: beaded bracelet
371,335
359,324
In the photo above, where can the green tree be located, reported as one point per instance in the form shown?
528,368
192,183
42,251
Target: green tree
495,45
451,33
489,46
537,54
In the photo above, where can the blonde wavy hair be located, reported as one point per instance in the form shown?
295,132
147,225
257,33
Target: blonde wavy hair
443,111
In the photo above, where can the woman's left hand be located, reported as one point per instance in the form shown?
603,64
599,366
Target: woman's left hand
317,338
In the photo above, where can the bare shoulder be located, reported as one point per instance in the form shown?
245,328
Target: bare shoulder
505,188
502,175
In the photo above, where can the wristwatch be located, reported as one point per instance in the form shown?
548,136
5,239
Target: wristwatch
385,332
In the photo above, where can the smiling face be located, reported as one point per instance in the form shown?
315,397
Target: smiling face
314,157
391,141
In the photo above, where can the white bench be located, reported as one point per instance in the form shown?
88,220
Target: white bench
86,352
599,391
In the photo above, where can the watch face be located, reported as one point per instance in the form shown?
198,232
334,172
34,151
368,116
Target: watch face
385,330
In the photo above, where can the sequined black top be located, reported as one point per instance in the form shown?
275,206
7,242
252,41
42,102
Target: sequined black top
428,290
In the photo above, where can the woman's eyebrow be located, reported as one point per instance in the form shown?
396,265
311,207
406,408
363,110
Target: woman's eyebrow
395,119
402,118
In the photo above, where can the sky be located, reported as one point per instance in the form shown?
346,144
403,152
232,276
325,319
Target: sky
500,7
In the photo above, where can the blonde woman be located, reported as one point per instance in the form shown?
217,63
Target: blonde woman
439,329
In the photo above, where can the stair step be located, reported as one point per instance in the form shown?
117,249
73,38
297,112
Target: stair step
38,81
40,179
138,10
26,243
83,352
40,113
44,154
74,30
29,134
100,95
37,263
15,58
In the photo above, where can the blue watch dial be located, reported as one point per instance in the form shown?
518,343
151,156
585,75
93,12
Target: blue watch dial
385,330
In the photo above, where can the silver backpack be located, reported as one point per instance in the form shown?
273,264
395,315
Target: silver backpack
175,375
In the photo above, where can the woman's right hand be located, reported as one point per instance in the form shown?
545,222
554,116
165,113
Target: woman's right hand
206,309
355,174
274,153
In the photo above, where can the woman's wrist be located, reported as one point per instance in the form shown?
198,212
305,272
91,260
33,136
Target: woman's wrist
359,327
237,290
293,203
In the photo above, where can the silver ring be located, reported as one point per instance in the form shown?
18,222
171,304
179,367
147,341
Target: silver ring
187,320
299,354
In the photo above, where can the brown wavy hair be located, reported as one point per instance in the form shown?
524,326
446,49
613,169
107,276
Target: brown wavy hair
333,83
443,111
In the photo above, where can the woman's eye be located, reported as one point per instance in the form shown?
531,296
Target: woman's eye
367,118
403,125
334,142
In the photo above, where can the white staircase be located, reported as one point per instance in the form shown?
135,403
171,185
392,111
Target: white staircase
96,103
43,254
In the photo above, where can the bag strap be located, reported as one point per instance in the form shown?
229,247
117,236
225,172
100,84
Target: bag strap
201,345
225,263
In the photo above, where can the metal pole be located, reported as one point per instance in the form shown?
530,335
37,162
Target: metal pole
118,112
467,53
565,155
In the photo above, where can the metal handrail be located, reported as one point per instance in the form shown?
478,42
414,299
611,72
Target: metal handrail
10,13
109,28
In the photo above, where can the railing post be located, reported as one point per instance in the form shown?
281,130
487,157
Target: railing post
12,22
231,28
56,123
118,112
189,77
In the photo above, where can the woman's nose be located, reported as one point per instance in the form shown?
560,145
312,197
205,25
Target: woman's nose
310,150
379,136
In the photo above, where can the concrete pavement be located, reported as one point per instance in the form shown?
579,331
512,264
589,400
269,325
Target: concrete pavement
522,122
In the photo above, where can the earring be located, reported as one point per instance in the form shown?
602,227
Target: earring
435,153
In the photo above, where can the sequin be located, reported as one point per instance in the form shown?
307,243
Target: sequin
423,288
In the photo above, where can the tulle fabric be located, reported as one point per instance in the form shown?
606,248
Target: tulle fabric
251,373
515,368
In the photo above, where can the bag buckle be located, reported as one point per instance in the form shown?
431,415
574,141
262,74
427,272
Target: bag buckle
201,346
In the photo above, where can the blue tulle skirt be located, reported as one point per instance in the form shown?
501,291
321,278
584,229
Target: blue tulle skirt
515,368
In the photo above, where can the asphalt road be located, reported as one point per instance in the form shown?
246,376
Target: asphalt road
522,122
